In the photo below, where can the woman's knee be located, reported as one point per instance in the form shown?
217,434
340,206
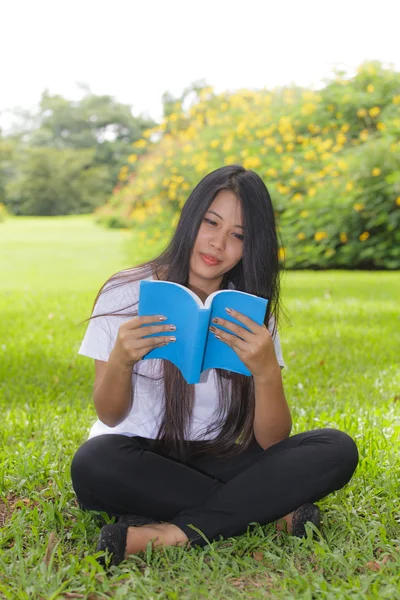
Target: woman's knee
344,449
89,459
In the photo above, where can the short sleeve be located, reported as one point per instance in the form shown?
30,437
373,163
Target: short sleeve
101,333
277,342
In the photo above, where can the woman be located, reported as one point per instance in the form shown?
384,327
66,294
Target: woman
183,464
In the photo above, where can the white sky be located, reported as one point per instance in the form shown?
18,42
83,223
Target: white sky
137,49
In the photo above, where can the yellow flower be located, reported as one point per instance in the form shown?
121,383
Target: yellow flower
297,197
304,214
364,135
310,155
330,252
358,206
381,126
301,236
272,172
308,108
251,162
343,237
312,191
349,186
364,236
282,253
289,146
123,175
374,112
398,201
132,158
370,88
279,149
396,99
299,169
376,171
320,235
139,144
361,113
341,138
214,144
282,189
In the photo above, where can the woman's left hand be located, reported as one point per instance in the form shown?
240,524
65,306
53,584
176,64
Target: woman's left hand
255,349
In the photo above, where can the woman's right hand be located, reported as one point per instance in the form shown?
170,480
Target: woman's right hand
130,347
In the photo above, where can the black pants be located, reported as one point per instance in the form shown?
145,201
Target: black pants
219,496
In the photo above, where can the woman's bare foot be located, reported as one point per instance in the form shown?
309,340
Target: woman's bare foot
285,523
161,534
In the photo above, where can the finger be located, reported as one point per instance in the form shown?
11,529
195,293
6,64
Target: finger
150,343
137,321
252,325
237,329
151,329
232,341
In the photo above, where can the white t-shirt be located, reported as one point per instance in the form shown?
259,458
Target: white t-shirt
148,402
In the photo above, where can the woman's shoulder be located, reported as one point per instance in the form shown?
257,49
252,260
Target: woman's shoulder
122,289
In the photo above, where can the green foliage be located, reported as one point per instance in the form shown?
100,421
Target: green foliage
56,182
88,140
331,160
358,218
341,352
3,213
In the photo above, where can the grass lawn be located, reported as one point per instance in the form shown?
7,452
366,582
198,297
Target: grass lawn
342,350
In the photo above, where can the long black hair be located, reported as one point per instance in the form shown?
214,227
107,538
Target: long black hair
257,273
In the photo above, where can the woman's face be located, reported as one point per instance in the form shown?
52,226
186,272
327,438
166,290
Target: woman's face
220,237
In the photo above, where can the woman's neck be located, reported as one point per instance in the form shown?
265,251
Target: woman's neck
200,290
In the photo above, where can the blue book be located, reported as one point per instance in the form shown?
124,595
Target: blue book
196,349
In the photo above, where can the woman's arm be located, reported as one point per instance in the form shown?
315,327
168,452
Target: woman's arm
272,419
112,391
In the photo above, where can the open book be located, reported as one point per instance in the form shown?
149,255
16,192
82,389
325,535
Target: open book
196,348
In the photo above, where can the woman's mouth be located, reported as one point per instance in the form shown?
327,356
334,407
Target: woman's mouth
209,260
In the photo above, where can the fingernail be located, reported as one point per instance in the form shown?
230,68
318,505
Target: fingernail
228,310
162,318
213,329
172,339
215,320
172,327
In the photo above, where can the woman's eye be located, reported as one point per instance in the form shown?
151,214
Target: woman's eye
239,236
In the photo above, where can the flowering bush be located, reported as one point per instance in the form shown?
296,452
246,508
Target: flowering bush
330,158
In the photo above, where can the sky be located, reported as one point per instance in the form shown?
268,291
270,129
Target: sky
137,50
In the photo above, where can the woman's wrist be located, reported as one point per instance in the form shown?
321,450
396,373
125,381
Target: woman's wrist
116,361
269,375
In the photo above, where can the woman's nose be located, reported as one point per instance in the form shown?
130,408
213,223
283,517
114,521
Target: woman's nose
218,241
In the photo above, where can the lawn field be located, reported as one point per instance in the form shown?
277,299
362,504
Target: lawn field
341,343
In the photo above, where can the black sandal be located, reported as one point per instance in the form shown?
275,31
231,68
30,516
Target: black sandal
305,513
135,520
112,539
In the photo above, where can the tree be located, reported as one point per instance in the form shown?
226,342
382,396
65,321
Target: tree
57,182
72,142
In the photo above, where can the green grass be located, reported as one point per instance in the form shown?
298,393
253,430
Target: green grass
342,351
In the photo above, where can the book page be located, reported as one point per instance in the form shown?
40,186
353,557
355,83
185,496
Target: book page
210,298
